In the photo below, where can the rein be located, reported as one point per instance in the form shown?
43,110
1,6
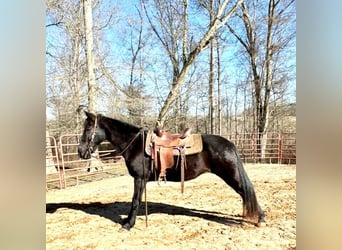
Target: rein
130,143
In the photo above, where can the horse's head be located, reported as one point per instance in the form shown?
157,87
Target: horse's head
93,135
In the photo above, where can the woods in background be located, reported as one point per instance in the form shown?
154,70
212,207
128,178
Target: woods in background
217,66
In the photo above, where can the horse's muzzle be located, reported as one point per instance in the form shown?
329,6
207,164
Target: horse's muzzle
84,152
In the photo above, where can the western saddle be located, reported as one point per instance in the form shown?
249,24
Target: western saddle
163,147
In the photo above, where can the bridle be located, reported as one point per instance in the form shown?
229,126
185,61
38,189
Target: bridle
91,141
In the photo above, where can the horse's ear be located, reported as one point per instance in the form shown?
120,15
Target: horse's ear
89,115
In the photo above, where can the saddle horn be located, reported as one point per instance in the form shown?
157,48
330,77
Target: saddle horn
158,131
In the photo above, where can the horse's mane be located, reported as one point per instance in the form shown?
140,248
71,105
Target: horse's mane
121,125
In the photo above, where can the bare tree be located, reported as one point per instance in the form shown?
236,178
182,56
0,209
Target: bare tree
132,69
135,88
65,61
211,72
264,43
166,36
67,64
219,97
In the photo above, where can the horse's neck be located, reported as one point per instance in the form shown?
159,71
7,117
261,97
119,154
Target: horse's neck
121,134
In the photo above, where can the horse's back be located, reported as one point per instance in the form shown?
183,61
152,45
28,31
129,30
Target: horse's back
214,143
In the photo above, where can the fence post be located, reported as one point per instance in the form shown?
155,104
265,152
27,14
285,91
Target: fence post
280,148
60,153
253,147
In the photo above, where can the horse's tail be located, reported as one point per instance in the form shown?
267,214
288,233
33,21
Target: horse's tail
250,203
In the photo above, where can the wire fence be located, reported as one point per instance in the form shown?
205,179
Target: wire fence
271,147
64,167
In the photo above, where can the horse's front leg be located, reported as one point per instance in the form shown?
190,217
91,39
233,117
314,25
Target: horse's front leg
136,200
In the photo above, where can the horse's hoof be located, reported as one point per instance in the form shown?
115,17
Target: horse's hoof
126,226
261,224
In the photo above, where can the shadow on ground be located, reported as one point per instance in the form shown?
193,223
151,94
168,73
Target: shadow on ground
114,211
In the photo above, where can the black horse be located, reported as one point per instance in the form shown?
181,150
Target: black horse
219,156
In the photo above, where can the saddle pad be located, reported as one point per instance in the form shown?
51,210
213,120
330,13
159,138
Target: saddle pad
193,143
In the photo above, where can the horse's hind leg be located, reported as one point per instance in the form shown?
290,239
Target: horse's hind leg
251,207
234,175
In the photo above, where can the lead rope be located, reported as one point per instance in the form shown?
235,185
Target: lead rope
145,191
183,166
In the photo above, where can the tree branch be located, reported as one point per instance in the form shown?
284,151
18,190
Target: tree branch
54,24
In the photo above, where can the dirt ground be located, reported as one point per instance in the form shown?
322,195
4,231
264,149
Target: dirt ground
206,216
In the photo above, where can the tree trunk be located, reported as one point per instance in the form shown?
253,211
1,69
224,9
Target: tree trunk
269,75
211,75
135,96
219,102
185,31
211,89
89,51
